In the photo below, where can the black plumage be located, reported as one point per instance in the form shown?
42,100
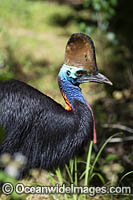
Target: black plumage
40,128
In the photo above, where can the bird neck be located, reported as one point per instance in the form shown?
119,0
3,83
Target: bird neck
70,92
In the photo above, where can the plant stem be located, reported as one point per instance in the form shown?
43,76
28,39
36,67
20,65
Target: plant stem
75,172
88,164
75,196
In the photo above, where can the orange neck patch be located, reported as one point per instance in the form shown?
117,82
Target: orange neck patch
67,103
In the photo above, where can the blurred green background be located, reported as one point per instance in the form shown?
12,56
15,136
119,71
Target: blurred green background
33,35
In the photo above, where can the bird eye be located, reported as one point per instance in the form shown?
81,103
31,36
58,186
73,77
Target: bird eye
68,73
79,73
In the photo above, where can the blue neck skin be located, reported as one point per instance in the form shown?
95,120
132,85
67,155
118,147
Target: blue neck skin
71,90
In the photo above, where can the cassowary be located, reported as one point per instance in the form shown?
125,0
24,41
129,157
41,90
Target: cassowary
40,128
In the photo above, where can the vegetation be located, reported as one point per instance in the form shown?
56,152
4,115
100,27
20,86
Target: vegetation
33,35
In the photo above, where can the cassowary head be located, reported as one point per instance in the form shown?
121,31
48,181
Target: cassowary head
80,61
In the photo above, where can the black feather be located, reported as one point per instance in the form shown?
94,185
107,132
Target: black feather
41,129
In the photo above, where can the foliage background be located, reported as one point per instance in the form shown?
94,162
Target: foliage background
33,35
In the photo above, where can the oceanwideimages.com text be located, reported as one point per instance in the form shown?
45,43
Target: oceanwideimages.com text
8,188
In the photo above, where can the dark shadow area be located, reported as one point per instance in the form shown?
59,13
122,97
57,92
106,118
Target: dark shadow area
122,23
116,108
110,114
69,2
63,21
2,134
58,20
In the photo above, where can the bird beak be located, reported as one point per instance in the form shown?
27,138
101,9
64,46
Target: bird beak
98,78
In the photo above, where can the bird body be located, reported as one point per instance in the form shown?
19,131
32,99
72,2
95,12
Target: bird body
40,128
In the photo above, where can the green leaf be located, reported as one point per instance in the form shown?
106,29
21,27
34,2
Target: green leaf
128,173
59,175
52,180
100,177
87,170
110,157
70,174
75,172
114,2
